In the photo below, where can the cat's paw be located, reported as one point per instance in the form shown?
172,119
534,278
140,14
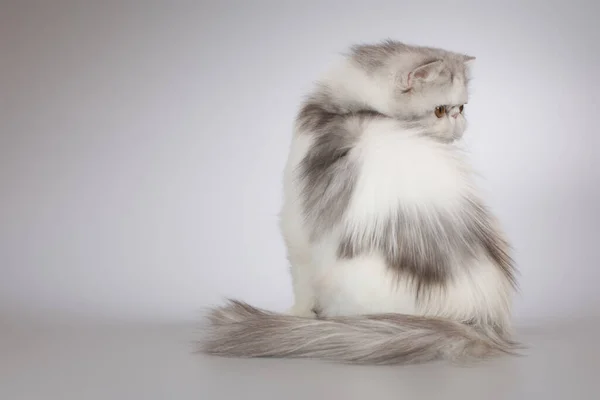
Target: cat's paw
304,312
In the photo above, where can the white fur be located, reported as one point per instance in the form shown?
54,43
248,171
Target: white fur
399,166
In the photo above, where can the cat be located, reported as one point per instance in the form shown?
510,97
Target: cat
395,259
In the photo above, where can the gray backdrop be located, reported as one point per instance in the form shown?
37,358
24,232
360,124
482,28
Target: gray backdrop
142,145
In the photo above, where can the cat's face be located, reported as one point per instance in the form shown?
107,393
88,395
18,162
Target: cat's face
434,99
427,87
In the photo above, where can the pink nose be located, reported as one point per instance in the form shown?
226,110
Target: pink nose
455,115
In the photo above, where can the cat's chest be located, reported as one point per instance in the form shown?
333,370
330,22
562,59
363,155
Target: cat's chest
411,172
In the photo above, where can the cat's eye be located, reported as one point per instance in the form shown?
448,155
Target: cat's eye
461,108
440,111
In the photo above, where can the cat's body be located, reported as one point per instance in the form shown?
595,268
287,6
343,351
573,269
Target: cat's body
388,192
394,257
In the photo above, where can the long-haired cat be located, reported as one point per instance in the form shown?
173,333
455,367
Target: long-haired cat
394,256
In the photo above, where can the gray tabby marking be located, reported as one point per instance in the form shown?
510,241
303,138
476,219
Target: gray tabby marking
328,176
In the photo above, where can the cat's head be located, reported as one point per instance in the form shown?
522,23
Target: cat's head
426,87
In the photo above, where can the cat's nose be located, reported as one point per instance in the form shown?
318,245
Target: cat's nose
455,115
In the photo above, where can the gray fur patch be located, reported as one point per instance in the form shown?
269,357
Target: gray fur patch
490,238
326,173
374,56
424,247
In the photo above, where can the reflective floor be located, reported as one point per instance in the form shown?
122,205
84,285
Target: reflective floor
147,362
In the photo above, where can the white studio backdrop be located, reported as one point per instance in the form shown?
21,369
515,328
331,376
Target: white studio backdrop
142,145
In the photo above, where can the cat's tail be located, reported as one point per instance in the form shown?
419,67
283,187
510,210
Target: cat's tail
240,330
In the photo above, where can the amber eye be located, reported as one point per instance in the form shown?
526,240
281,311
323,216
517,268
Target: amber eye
440,111
461,108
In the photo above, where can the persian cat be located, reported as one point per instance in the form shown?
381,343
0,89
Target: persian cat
394,256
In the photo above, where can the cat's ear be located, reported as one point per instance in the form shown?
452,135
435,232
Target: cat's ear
423,73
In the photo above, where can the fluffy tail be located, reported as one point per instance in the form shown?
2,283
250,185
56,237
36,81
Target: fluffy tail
240,330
